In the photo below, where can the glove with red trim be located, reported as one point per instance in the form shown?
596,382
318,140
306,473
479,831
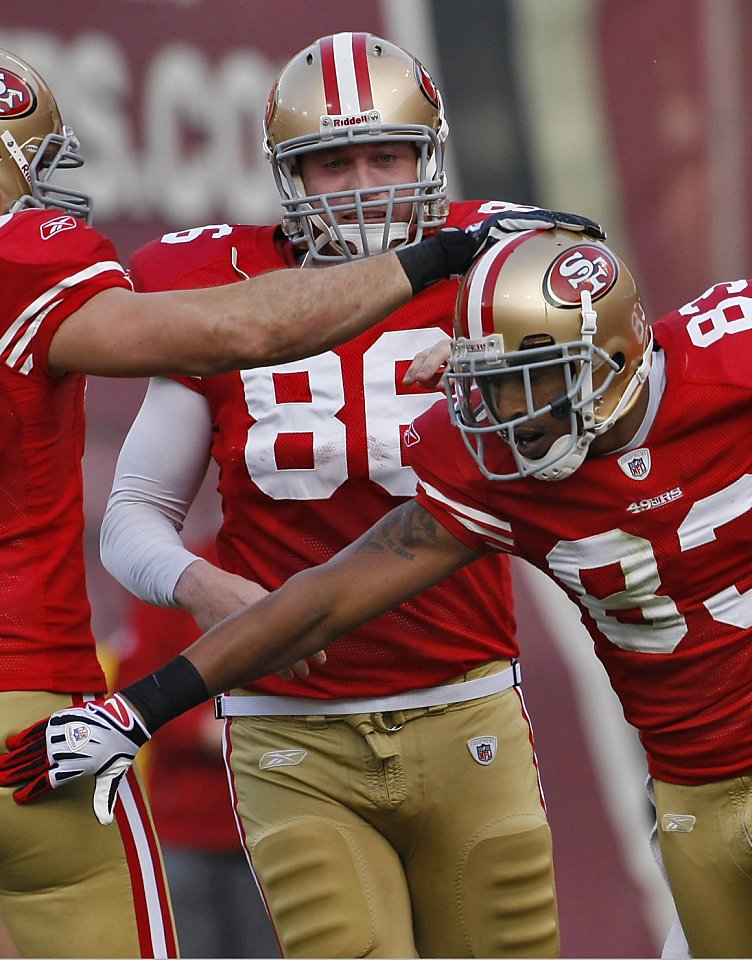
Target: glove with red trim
100,739
451,251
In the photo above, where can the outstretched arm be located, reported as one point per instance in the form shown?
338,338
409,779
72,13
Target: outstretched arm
403,554
277,317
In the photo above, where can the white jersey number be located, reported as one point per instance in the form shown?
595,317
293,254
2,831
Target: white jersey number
386,411
661,626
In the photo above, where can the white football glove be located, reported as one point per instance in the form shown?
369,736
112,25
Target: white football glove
498,225
99,739
450,252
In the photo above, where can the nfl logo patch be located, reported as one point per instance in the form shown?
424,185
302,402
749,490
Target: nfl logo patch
635,464
77,735
482,749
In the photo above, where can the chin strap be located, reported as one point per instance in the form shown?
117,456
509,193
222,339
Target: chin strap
565,465
367,240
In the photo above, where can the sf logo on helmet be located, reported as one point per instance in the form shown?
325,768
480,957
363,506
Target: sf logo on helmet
583,266
16,98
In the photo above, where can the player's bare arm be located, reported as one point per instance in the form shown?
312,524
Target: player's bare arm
257,322
210,594
403,554
246,324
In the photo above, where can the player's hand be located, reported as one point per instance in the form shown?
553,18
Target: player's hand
428,366
300,668
450,252
499,225
99,739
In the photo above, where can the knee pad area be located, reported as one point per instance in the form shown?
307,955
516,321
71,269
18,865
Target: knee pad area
507,894
316,882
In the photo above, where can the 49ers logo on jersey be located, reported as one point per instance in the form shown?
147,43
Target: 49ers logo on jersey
583,267
16,96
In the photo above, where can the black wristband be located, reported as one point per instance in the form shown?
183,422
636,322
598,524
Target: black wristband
166,693
423,263
447,254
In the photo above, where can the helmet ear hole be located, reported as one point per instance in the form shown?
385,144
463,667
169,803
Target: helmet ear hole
619,359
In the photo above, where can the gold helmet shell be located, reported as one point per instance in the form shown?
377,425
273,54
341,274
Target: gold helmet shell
542,299
34,143
351,88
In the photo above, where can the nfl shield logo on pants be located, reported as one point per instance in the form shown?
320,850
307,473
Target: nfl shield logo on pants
482,749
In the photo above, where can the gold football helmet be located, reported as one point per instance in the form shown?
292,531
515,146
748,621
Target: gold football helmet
353,88
34,143
536,302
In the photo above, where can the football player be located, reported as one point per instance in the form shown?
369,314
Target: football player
401,779
610,455
68,309
607,453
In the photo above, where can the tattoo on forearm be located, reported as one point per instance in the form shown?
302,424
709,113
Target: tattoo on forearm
403,531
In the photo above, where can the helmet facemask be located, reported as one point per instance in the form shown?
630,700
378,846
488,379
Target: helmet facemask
313,218
34,143
57,152
590,382
346,90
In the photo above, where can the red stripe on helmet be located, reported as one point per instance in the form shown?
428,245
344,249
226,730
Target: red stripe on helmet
362,73
329,72
499,254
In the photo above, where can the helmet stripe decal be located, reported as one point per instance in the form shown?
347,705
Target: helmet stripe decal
477,307
362,73
329,71
347,79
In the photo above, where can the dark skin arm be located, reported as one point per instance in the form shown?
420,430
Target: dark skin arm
402,555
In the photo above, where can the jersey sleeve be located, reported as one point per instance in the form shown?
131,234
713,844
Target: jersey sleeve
450,486
714,333
49,267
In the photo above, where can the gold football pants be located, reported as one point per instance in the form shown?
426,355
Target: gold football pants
70,887
414,833
705,835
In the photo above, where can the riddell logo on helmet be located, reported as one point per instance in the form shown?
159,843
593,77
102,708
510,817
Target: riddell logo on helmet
16,97
351,121
583,267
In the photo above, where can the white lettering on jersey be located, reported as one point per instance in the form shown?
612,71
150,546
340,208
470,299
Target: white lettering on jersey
387,412
660,626
650,503
187,236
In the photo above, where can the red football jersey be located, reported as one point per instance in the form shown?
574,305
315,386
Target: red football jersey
50,264
652,545
310,456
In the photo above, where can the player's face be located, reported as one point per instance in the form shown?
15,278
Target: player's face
511,399
362,166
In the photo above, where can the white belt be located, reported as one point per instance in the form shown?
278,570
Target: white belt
265,706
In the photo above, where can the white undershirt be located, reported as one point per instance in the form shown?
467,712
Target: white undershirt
159,472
